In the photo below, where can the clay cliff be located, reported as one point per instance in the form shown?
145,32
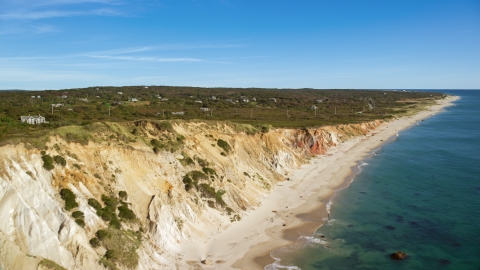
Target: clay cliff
130,195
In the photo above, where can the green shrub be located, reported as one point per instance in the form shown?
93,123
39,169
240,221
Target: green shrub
78,214
224,145
60,160
69,198
112,254
94,242
202,162
107,264
102,234
114,222
110,202
126,213
43,153
229,210
80,222
186,160
188,182
77,166
198,175
209,171
48,162
123,195
94,203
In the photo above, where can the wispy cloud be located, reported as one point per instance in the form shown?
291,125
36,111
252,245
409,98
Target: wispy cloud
26,10
146,59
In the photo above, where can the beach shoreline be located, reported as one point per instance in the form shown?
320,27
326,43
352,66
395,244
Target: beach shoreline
298,207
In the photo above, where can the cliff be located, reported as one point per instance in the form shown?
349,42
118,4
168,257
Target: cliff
183,182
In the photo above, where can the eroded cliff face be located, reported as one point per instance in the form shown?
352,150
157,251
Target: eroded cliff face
171,209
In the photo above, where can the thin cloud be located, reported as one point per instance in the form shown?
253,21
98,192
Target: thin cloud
146,59
37,15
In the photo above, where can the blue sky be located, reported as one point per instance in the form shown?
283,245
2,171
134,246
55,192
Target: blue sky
56,44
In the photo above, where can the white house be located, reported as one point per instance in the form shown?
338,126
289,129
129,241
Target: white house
120,93
204,109
198,101
319,100
133,100
58,105
313,107
164,99
33,120
273,99
178,113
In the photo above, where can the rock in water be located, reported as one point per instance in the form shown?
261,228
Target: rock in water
399,255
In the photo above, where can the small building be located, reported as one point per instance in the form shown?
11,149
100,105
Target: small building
313,107
254,99
58,105
133,100
63,96
229,100
33,120
164,99
120,93
84,99
39,97
178,113
273,99
204,109
319,100
33,96
245,100
213,98
198,101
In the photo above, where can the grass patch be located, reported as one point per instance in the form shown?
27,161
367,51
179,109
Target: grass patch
50,265
121,247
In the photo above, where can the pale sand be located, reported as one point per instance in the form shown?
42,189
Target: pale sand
298,207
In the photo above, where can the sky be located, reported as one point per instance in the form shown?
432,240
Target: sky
325,44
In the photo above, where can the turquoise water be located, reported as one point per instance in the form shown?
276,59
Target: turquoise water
419,194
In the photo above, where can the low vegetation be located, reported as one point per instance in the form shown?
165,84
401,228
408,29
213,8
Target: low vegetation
251,110
50,265
224,145
48,162
70,199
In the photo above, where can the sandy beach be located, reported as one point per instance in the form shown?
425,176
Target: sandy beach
298,207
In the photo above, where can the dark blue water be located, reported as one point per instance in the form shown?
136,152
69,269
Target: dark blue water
420,194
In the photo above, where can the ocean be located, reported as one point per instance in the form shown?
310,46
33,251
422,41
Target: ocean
419,193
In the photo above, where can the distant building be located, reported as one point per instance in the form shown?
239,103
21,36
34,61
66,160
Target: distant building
39,97
198,101
319,100
83,99
133,100
204,109
58,105
254,99
213,98
33,96
33,120
120,93
245,100
164,99
178,113
64,96
273,99
313,107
